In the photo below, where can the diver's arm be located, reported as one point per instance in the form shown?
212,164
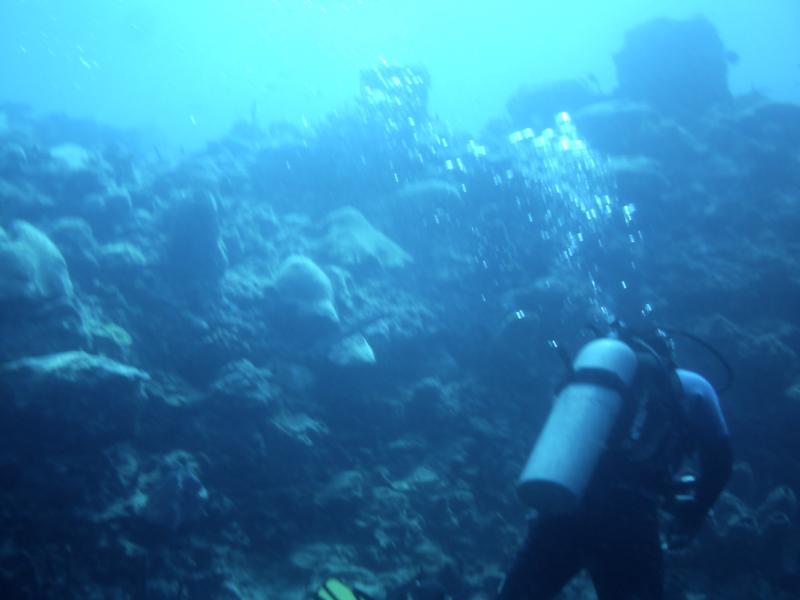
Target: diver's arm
713,445
716,463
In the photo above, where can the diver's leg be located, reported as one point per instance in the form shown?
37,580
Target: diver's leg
550,557
626,561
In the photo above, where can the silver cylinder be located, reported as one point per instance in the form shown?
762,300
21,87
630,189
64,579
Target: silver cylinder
577,431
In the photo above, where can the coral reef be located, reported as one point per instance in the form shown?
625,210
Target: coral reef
301,352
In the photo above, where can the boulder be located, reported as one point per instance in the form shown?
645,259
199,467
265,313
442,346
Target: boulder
76,242
122,257
195,249
624,128
79,394
351,240
177,498
346,486
678,66
299,427
536,105
72,157
32,269
305,289
13,159
242,384
75,173
78,370
352,351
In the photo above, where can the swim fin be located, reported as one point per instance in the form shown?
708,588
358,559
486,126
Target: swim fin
333,589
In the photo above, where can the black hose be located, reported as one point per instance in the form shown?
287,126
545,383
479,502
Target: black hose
729,375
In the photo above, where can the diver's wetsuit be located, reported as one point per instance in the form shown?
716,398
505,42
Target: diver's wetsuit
615,532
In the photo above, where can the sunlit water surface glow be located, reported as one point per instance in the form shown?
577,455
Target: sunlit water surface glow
188,70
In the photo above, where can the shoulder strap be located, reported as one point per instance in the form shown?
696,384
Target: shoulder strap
655,420
599,377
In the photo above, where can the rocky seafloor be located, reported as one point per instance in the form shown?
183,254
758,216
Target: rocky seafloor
324,350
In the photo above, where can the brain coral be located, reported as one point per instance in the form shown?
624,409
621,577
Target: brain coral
352,240
301,284
32,269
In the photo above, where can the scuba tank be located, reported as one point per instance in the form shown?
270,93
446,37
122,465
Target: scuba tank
579,427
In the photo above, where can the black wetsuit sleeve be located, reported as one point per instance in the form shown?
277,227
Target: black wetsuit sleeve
716,463
712,443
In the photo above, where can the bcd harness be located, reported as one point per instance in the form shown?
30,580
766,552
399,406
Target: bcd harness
651,425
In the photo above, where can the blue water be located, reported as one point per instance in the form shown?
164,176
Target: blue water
186,70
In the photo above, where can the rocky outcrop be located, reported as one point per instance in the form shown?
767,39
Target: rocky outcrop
679,67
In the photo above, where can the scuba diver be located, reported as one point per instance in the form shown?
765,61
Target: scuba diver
630,437
615,451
